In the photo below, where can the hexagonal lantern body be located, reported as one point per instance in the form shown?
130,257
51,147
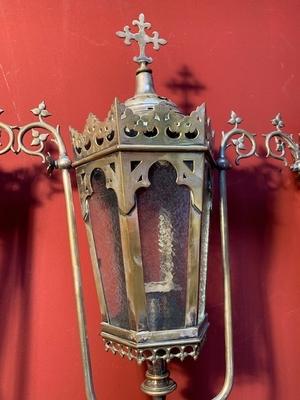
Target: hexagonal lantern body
144,181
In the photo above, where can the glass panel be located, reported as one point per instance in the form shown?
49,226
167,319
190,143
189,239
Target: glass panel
104,216
163,210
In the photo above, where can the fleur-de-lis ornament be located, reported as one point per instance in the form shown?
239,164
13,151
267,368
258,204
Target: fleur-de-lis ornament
38,137
278,122
239,143
234,119
41,110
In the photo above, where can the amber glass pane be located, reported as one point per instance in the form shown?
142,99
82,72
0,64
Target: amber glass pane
106,230
163,211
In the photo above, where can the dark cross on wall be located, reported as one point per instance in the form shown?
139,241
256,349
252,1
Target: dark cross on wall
187,85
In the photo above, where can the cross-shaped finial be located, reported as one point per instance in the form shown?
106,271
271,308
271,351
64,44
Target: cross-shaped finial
142,38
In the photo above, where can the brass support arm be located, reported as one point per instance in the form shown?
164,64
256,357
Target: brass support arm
40,131
223,165
228,382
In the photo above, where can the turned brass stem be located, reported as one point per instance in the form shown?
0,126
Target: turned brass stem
158,384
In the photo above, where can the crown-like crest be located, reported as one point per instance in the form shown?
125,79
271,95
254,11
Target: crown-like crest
162,126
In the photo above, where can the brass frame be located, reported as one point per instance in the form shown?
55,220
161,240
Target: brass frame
118,340
108,146
130,141
129,343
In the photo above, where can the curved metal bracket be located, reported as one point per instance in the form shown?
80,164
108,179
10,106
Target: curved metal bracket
37,148
282,141
235,137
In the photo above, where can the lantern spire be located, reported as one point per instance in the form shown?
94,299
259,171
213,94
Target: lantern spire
145,97
142,38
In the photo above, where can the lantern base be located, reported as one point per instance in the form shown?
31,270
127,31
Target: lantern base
158,384
157,345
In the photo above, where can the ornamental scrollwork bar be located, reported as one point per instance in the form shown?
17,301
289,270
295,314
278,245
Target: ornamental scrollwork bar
9,131
240,139
40,131
236,137
282,141
37,145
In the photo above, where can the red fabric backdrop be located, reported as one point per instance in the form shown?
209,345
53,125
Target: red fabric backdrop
243,56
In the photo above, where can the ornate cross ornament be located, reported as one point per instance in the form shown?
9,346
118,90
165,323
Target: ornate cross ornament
142,38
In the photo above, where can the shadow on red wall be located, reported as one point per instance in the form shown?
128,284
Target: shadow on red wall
253,343
18,201
254,352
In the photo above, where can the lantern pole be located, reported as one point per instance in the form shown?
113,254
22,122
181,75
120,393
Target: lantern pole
64,163
223,165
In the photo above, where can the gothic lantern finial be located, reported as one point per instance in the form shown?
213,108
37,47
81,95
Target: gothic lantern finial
142,38
145,97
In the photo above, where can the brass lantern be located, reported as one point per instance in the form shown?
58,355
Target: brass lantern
144,181
144,178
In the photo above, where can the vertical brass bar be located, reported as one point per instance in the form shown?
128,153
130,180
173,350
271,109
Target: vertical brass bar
132,253
87,369
96,272
196,184
224,393
205,222
192,289
134,276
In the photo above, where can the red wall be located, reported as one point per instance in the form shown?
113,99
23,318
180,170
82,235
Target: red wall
245,56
